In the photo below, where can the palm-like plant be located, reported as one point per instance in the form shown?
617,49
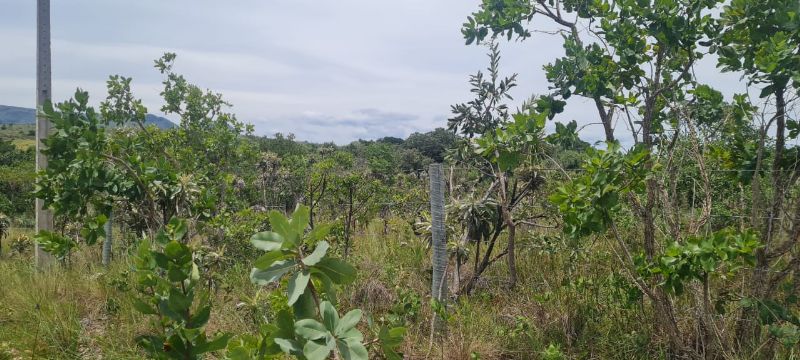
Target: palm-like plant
5,228
477,216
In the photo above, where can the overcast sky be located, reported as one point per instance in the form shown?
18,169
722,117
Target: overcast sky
325,70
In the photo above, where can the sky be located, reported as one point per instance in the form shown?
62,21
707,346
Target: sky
324,70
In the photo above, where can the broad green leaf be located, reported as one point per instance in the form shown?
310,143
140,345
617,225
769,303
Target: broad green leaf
352,349
267,241
318,253
217,344
314,350
281,225
177,252
179,302
300,219
305,308
288,346
297,285
179,228
272,273
352,333
348,321
319,232
143,307
337,270
200,318
310,329
266,260
329,316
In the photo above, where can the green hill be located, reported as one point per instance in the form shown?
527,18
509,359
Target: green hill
14,115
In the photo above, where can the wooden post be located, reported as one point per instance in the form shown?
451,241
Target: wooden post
44,217
438,241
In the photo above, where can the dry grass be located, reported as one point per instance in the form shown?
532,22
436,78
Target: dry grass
83,311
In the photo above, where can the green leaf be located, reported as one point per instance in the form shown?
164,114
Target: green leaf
319,232
267,241
318,253
281,225
177,252
179,228
288,346
329,316
310,329
348,321
300,219
272,273
215,345
297,285
337,270
305,308
314,350
143,307
179,302
200,318
352,349
264,261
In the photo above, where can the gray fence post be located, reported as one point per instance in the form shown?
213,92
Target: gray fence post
438,241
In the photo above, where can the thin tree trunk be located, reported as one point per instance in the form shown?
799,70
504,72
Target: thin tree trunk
512,262
349,222
44,217
109,239
748,330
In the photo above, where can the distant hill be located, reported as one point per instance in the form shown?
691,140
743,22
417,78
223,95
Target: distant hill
19,115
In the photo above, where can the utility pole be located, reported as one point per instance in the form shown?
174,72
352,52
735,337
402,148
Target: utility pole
438,243
44,217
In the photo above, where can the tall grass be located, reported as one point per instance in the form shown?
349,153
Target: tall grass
567,304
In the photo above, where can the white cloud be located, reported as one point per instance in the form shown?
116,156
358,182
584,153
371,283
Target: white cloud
310,67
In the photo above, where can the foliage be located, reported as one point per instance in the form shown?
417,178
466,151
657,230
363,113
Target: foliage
588,202
170,288
314,329
699,257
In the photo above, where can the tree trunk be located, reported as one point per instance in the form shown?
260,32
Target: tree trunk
44,217
748,329
109,239
348,222
512,261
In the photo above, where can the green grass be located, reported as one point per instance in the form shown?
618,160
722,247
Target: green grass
22,136
15,132
84,310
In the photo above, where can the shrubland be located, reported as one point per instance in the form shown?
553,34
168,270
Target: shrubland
675,237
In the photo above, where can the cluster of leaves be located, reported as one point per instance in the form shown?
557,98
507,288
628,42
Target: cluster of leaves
508,145
103,159
16,179
700,256
588,202
760,38
781,322
311,327
169,286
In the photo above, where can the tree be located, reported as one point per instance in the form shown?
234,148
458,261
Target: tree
760,39
432,144
504,144
151,175
636,67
